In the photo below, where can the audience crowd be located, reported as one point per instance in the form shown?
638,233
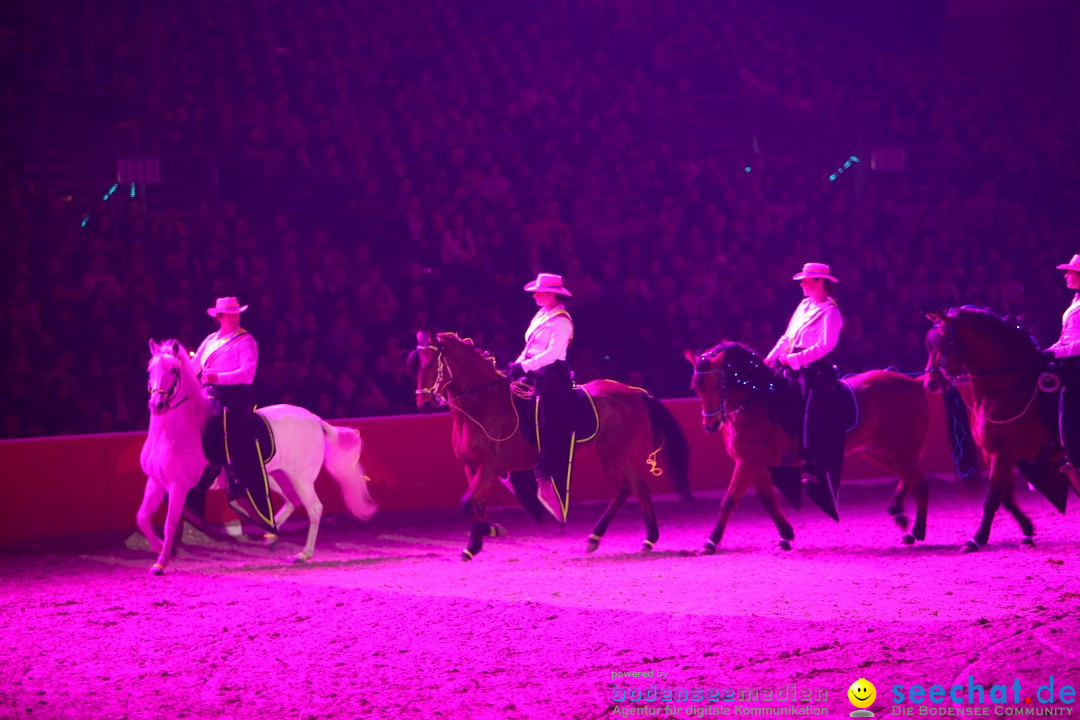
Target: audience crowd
386,167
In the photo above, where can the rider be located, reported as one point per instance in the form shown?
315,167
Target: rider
226,362
1067,352
544,359
805,350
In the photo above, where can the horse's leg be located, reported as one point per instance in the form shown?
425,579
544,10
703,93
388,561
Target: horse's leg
896,503
1026,526
475,510
641,489
913,479
602,524
153,494
302,491
288,507
172,522
1000,478
740,483
765,490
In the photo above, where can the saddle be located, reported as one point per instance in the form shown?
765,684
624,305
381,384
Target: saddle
586,421
213,440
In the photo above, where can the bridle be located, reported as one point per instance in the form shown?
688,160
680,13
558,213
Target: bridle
1046,382
948,342
439,391
436,392
170,393
728,374
948,326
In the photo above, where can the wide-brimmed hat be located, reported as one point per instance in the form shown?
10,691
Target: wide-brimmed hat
548,282
1073,264
226,306
814,270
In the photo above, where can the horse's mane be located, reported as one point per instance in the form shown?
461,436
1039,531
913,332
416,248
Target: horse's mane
746,363
467,343
1004,329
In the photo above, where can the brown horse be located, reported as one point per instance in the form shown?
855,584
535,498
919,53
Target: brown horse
743,396
1004,365
633,429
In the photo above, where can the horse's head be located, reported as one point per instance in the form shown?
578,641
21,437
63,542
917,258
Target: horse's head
427,364
725,377
978,342
944,358
170,377
438,360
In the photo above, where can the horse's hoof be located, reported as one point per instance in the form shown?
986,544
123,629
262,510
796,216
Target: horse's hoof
1028,542
592,543
270,539
647,546
785,545
498,531
466,556
709,549
299,558
908,539
157,569
969,547
902,520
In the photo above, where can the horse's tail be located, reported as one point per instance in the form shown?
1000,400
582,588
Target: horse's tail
343,463
670,440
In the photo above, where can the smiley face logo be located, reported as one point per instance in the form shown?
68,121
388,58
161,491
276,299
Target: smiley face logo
862,693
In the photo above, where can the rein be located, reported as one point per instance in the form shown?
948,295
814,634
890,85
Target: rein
950,343
439,391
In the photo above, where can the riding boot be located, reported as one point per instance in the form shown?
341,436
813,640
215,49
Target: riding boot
824,438
246,463
556,436
1069,409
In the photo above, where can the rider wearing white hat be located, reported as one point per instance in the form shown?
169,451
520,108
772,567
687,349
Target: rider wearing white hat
544,358
226,362
1067,352
805,350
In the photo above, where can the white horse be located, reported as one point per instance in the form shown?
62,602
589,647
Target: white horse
173,458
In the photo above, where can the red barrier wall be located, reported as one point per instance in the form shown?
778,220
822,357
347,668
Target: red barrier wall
69,485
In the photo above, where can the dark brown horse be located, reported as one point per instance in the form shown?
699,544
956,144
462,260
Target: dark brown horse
743,397
1003,364
634,429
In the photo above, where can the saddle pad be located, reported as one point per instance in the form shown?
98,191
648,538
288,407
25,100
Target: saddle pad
586,419
213,440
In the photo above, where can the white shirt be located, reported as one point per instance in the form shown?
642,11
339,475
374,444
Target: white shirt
234,357
547,338
1069,342
814,328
